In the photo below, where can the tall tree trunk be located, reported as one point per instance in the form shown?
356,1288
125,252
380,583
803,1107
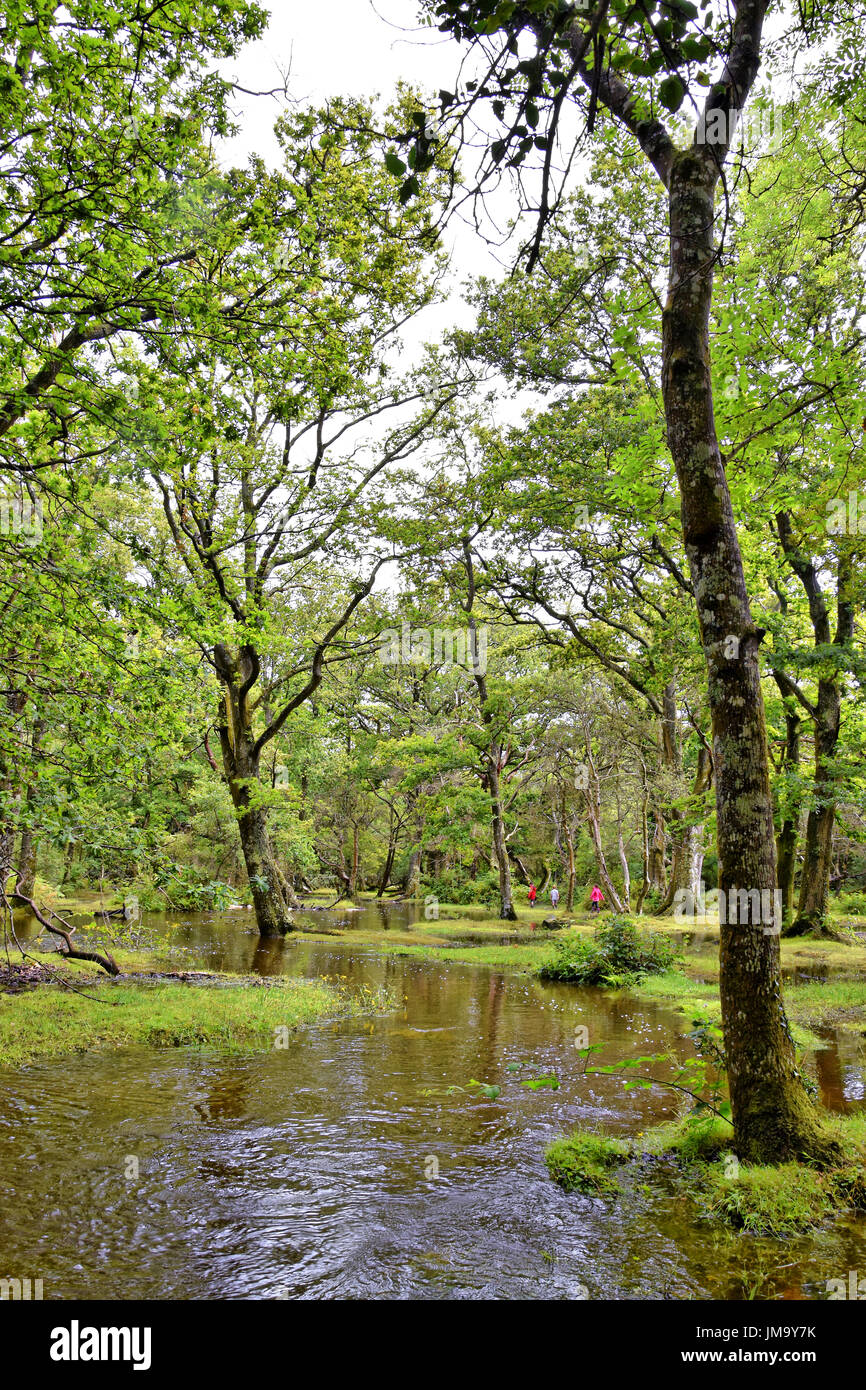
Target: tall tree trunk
644,841
626,875
773,1117
353,873
569,840
687,860
494,759
592,798
389,864
241,764
657,875
500,849
412,878
26,872
811,916
789,816
623,859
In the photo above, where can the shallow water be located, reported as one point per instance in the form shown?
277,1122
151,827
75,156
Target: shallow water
328,1170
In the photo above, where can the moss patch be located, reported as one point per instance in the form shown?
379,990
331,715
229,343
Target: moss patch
584,1162
772,1201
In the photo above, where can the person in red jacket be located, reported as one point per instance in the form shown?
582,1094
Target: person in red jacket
532,894
597,898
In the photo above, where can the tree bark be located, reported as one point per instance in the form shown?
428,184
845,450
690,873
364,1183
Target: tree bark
494,757
353,873
657,875
811,915
388,866
774,1120
241,762
687,859
789,816
412,877
592,798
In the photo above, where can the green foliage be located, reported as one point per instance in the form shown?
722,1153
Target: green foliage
455,885
618,953
779,1201
850,903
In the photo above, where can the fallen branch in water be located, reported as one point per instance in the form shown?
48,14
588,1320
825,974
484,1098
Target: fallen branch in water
65,932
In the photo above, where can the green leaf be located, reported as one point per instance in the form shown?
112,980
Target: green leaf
671,92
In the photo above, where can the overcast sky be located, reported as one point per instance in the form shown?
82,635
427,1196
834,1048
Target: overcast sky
355,48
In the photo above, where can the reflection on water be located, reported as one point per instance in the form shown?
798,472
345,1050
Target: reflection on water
324,1170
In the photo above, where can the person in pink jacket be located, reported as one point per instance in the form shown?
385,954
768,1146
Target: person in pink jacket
597,898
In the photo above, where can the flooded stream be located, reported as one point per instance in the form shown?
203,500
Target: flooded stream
340,1167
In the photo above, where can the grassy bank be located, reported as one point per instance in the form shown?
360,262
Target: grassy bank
233,1013
775,1201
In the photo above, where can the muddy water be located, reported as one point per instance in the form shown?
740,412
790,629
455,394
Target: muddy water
341,1167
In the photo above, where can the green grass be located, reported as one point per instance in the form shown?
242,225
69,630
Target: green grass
700,999
52,1022
518,956
780,1201
583,1162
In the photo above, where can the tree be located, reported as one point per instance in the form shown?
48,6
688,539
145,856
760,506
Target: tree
272,483
615,51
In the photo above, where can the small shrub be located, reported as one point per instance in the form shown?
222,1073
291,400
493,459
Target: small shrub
616,955
453,885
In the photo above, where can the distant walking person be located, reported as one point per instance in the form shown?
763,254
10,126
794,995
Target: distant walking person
554,897
532,894
597,898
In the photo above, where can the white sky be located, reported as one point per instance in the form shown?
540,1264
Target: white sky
354,48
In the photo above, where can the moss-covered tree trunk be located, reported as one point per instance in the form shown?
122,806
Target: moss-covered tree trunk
500,848
789,809
657,875
811,915
412,878
241,762
826,714
773,1117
